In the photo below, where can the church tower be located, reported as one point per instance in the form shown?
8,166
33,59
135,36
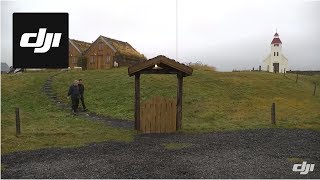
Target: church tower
276,62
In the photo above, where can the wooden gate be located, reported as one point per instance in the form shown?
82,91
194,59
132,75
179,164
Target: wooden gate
158,115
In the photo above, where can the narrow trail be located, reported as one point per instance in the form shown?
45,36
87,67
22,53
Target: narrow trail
118,123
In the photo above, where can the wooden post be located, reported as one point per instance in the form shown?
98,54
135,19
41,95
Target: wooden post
284,71
315,88
297,78
17,122
273,113
137,102
179,102
259,68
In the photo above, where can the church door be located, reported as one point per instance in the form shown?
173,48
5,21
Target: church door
275,67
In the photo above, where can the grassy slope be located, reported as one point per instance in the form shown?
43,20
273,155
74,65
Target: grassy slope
43,124
212,101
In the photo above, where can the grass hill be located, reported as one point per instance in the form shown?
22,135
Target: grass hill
42,123
212,101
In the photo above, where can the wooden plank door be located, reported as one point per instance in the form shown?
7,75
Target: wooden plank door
158,115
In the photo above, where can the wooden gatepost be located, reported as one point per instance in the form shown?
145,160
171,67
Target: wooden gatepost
155,116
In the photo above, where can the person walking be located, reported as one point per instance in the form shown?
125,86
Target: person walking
75,95
81,90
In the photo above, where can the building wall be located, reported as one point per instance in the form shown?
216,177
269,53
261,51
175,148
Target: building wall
73,56
275,56
100,56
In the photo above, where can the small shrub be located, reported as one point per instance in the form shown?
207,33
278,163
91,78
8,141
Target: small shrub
82,62
200,66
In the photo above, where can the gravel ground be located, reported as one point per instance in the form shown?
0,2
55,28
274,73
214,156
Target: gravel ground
264,153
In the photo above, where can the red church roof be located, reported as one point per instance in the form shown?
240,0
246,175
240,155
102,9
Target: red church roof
276,41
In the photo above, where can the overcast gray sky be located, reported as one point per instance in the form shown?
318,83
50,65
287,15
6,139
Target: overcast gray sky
228,34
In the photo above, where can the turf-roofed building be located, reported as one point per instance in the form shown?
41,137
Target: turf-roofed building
105,53
77,49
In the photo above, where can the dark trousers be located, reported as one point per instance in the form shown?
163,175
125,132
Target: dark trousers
82,102
75,103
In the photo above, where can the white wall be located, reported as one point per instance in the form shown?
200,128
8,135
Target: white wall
283,62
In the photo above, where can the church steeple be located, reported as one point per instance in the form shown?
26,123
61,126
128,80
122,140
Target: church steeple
276,39
276,62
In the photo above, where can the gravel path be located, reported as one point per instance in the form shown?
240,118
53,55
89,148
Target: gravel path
267,153
118,123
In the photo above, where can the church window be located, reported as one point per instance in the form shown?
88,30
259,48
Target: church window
277,53
274,53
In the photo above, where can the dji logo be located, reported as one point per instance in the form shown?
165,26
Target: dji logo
303,168
44,40
40,40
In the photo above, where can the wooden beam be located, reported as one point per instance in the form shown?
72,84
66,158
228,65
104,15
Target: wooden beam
137,101
179,102
159,71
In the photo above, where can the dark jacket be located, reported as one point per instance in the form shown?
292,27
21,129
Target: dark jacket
74,91
81,89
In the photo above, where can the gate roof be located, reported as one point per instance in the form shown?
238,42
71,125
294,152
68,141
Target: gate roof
160,65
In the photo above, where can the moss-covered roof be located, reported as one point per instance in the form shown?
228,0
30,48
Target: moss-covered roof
81,45
124,49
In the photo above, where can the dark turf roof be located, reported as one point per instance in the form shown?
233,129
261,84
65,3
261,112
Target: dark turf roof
124,49
81,45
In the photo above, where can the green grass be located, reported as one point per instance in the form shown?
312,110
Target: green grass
212,101
173,146
42,123
3,167
295,160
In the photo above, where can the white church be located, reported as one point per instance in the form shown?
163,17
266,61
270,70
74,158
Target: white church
276,62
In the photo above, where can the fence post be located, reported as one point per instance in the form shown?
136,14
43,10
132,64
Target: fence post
315,88
284,71
137,101
179,102
273,113
17,122
297,78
